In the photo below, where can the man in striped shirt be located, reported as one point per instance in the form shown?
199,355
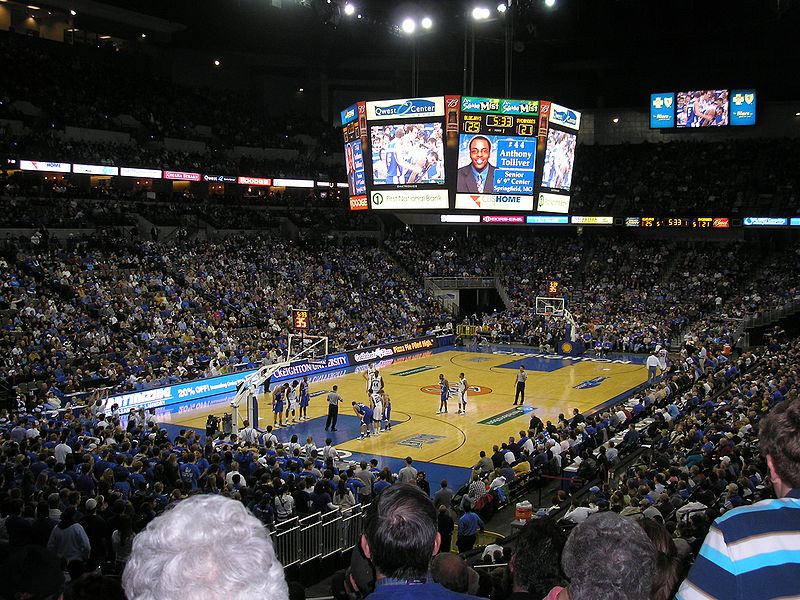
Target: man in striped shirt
753,552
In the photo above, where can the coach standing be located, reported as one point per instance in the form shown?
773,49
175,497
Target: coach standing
333,409
522,377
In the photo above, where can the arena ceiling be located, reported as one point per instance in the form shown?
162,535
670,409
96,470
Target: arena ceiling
587,53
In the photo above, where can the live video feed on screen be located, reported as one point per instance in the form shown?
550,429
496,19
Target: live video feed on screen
703,108
559,160
407,153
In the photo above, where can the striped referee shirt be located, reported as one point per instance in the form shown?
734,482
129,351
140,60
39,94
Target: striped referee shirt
751,552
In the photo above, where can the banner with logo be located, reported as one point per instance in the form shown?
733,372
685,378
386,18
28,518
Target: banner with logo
409,199
566,117
95,170
48,167
662,110
743,107
389,350
181,176
555,203
145,173
405,108
219,178
515,202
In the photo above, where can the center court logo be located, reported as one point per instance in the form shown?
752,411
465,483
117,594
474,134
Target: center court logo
473,390
589,383
417,441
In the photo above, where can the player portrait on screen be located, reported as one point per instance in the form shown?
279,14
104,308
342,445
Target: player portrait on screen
559,159
408,153
476,177
704,108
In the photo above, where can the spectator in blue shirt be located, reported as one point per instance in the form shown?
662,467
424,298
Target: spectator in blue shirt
468,526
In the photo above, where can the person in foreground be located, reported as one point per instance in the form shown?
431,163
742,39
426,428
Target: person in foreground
205,548
753,552
400,538
607,557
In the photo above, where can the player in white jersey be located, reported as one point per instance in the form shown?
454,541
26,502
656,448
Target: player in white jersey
291,403
662,359
463,386
376,384
377,410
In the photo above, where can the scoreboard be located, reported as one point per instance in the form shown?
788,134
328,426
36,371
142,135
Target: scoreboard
496,154
460,152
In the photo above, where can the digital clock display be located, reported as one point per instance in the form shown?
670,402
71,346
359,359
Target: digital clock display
686,222
501,121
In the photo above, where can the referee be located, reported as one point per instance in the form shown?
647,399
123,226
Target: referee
522,377
333,409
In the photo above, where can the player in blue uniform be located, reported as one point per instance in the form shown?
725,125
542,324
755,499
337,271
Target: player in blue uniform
365,412
277,405
444,393
387,412
304,398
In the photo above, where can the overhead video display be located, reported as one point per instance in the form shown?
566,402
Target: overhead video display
703,108
559,160
407,154
496,154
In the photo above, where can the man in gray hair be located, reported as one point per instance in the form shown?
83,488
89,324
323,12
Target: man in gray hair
608,557
207,547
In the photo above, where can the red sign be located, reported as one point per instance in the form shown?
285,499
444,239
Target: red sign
503,219
300,319
181,176
358,203
255,181
721,223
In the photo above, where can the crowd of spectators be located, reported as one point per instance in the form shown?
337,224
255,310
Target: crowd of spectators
727,178
123,312
618,304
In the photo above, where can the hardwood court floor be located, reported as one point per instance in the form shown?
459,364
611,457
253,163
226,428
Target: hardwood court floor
555,385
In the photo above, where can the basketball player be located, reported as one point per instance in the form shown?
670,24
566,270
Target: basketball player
291,400
662,359
387,412
365,413
377,410
444,392
463,386
369,376
376,385
304,397
277,405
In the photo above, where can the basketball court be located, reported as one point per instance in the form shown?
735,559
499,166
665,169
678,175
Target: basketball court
446,445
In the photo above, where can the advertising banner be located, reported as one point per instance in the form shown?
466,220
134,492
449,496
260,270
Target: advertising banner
494,202
592,220
376,353
40,165
409,199
743,107
299,183
566,117
262,181
146,173
303,367
181,176
406,108
552,203
219,178
662,110
95,170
